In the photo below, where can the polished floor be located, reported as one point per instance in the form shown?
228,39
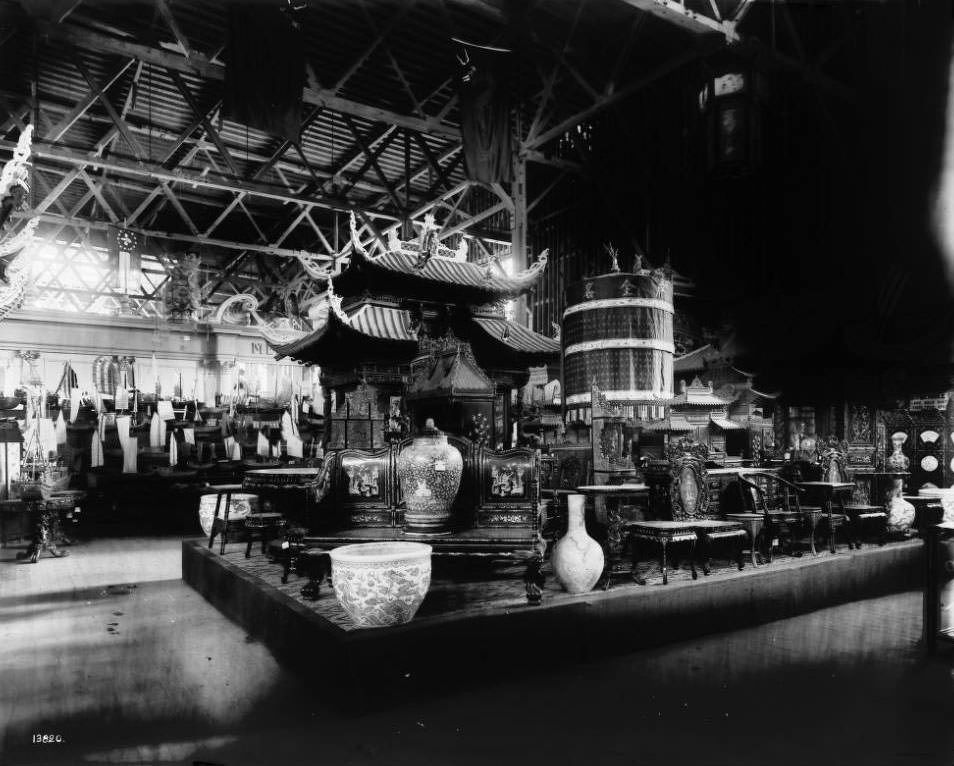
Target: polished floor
112,652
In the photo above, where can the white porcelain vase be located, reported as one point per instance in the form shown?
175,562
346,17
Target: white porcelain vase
577,558
381,584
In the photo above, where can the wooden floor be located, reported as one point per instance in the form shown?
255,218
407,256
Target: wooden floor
154,674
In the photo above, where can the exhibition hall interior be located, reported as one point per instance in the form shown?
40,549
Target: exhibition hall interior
468,381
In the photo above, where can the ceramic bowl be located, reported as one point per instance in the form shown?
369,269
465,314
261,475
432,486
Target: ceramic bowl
381,584
241,506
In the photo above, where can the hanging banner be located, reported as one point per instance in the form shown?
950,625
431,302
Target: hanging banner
264,82
485,113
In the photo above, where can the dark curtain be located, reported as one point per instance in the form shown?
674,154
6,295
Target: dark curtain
265,71
485,114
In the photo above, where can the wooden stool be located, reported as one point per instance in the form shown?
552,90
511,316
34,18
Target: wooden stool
222,490
262,526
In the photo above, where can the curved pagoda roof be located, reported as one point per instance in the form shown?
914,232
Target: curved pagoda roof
371,330
425,269
374,331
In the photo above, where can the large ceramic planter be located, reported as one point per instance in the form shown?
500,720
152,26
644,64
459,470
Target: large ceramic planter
429,470
577,558
241,506
381,584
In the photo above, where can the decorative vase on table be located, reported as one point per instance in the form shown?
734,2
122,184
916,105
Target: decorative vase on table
381,584
429,470
900,511
577,558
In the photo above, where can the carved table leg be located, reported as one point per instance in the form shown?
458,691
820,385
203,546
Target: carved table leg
703,544
692,559
248,543
756,539
741,552
634,551
813,523
831,527
534,580
662,559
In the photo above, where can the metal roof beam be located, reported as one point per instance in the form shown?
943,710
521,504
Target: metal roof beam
197,64
177,237
155,172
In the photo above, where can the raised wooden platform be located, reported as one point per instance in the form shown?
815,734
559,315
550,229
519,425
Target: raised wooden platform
474,625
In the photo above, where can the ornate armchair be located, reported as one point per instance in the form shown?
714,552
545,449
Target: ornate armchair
832,460
692,521
778,501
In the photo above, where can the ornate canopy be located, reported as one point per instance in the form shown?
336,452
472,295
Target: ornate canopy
428,270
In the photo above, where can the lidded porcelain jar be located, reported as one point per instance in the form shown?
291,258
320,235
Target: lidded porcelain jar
429,470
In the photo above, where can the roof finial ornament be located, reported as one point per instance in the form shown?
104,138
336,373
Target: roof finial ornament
334,303
355,239
614,256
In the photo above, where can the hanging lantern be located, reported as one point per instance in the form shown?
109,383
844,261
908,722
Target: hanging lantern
732,101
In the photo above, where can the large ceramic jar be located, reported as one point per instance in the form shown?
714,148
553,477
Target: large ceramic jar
242,505
381,584
429,470
577,558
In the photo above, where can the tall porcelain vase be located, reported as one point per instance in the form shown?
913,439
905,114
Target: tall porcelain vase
577,558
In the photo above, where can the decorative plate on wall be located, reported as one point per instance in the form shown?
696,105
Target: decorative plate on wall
929,437
929,463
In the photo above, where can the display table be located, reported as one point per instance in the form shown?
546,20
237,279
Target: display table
828,490
41,521
490,543
284,488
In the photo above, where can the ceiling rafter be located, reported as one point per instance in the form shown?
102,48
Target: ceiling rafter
199,64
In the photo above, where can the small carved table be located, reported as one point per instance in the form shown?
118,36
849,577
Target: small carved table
47,525
262,526
664,533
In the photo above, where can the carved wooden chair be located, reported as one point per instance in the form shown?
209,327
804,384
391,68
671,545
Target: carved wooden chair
861,517
831,522
778,501
568,469
691,522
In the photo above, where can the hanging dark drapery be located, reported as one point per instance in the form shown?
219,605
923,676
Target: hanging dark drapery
485,113
265,71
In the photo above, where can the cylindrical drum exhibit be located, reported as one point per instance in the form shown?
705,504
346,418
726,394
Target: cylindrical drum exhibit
617,334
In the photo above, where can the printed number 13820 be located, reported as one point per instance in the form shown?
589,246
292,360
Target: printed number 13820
47,739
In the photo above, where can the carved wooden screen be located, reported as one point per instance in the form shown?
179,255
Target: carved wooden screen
509,488
364,487
688,489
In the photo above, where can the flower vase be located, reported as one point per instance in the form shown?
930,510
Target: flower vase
577,558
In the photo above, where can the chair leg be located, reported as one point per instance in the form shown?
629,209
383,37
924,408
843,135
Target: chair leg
741,554
215,518
225,527
692,559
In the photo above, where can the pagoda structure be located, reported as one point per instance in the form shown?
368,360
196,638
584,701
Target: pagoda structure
420,332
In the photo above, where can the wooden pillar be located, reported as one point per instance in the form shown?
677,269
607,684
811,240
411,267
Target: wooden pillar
519,229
